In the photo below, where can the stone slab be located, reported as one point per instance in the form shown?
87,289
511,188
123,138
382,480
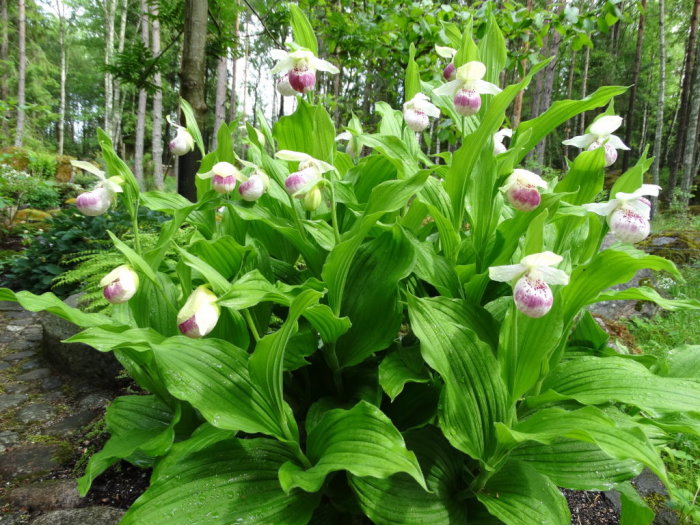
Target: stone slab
84,516
31,460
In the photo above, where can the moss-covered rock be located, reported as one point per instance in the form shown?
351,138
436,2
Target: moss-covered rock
680,246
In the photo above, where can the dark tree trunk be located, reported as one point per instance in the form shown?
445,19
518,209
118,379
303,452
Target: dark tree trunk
192,87
635,81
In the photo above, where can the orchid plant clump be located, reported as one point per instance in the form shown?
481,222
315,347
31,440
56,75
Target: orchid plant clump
370,333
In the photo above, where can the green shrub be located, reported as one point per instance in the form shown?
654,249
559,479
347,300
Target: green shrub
42,165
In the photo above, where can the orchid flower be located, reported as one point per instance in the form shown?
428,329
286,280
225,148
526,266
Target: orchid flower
352,146
98,200
498,146
199,314
531,293
520,188
450,72
304,183
468,87
601,134
183,142
255,186
301,66
417,110
225,176
120,284
628,213
284,88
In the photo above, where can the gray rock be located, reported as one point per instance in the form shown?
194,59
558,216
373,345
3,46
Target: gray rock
18,388
21,344
46,495
12,518
8,438
9,306
51,383
649,485
94,401
31,460
76,359
8,401
20,355
36,413
14,328
4,365
72,424
39,373
662,241
31,365
84,516
55,396
33,333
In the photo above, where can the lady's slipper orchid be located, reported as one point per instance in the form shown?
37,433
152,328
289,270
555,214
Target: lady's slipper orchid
468,87
312,199
521,190
183,142
301,182
254,187
199,314
120,284
601,134
98,200
628,213
224,177
284,88
301,66
351,147
417,110
531,293
450,71
498,146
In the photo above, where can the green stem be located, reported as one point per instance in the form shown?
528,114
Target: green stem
334,213
135,226
251,324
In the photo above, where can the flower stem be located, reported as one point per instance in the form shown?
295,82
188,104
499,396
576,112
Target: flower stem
135,225
251,324
334,214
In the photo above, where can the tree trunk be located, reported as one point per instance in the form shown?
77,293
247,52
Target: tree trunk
220,101
658,136
584,89
4,59
118,97
21,73
518,103
569,93
688,67
234,70
192,87
688,172
109,7
157,136
62,45
635,81
245,72
141,111
645,120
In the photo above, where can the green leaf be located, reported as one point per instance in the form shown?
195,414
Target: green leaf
399,499
585,177
213,376
191,124
375,313
576,465
224,254
400,366
492,51
474,396
600,380
435,269
302,29
467,50
635,510
633,178
683,361
135,259
105,340
136,423
361,440
519,495
412,82
232,481
308,130
644,293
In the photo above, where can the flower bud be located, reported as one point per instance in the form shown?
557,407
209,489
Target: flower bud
467,102
224,180
610,152
416,120
629,226
284,88
182,143
532,297
95,202
120,284
200,313
523,197
302,79
450,72
312,199
253,188
297,180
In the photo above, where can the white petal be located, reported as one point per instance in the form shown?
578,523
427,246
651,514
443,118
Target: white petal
605,126
345,135
471,71
278,54
449,89
323,65
582,141
302,54
427,107
506,273
645,189
528,177
486,88
499,135
512,180
292,156
541,259
616,142
554,275
284,64
602,208
640,207
322,167
90,168
445,52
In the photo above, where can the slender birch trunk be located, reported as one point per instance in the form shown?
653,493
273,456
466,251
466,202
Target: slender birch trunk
141,111
584,88
62,44
689,169
21,73
4,60
157,136
220,100
245,72
658,136
109,12
118,98
234,70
